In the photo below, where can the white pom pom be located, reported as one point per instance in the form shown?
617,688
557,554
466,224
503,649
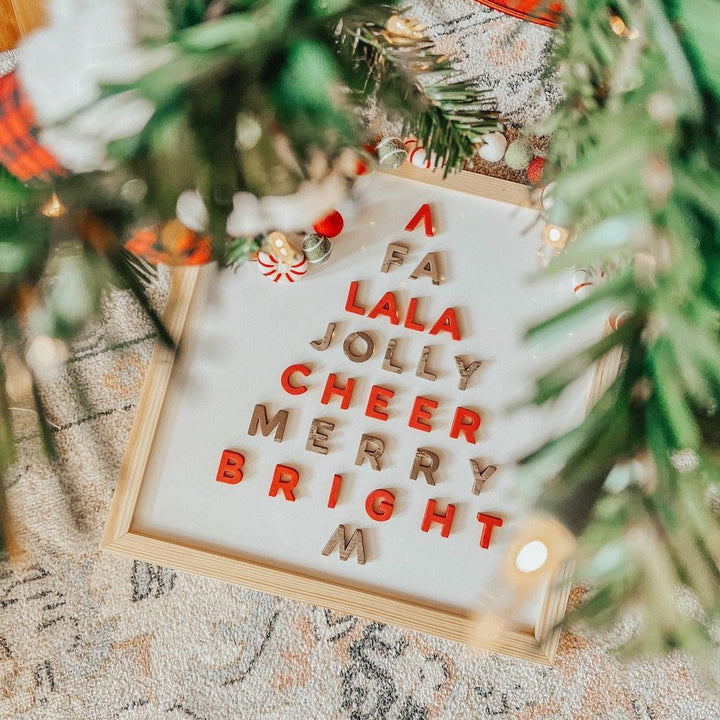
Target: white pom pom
246,218
191,211
493,148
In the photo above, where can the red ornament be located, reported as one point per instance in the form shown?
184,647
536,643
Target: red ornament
329,226
172,244
542,13
535,170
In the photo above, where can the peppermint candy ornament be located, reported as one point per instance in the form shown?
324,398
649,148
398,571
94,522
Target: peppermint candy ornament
280,271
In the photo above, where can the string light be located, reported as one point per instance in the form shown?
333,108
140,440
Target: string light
618,26
53,208
556,234
553,243
532,556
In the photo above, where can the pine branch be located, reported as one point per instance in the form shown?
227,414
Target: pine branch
448,117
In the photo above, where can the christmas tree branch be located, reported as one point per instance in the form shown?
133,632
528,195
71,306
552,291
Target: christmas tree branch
636,169
402,64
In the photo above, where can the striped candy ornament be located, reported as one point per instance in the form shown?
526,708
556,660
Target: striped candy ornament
278,271
617,318
582,282
419,158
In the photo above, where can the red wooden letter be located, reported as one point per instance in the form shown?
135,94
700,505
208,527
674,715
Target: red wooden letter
350,303
425,215
410,316
490,522
448,323
379,505
332,389
386,306
466,422
443,519
285,478
229,470
377,402
420,412
288,387
334,490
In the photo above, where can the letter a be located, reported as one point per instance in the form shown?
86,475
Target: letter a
425,215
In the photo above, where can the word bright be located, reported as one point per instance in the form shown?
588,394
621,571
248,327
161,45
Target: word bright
379,504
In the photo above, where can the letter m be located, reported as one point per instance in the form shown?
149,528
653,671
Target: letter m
260,420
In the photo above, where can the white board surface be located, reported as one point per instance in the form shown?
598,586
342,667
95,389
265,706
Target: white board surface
250,329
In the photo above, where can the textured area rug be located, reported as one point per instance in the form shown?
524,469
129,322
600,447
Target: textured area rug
86,635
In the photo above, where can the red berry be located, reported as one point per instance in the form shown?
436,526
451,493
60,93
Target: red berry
329,226
535,170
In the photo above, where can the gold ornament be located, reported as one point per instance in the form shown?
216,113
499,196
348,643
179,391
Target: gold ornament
400,31
277,245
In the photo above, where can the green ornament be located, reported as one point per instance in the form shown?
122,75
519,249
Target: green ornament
317,248
518,155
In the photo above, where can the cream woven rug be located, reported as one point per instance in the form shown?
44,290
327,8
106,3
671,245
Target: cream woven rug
86,635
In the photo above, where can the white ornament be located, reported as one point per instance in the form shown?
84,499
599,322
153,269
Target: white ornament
191,211
493,148
277,271
418,157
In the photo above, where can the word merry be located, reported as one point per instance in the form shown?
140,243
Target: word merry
371,447
379,505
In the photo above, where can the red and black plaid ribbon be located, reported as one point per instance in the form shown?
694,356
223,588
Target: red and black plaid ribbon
20,152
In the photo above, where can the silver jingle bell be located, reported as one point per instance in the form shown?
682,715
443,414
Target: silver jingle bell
391,152
317,248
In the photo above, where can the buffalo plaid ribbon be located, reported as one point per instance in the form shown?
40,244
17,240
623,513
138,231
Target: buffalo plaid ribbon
20,151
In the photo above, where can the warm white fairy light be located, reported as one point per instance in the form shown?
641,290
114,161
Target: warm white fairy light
618,26
532,556
554,234
53,208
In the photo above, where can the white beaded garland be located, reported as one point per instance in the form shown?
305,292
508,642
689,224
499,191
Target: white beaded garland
246,218
191,211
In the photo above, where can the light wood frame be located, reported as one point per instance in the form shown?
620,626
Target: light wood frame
537,644
17,19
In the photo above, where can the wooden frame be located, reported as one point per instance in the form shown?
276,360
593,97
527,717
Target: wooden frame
537,644
18,18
